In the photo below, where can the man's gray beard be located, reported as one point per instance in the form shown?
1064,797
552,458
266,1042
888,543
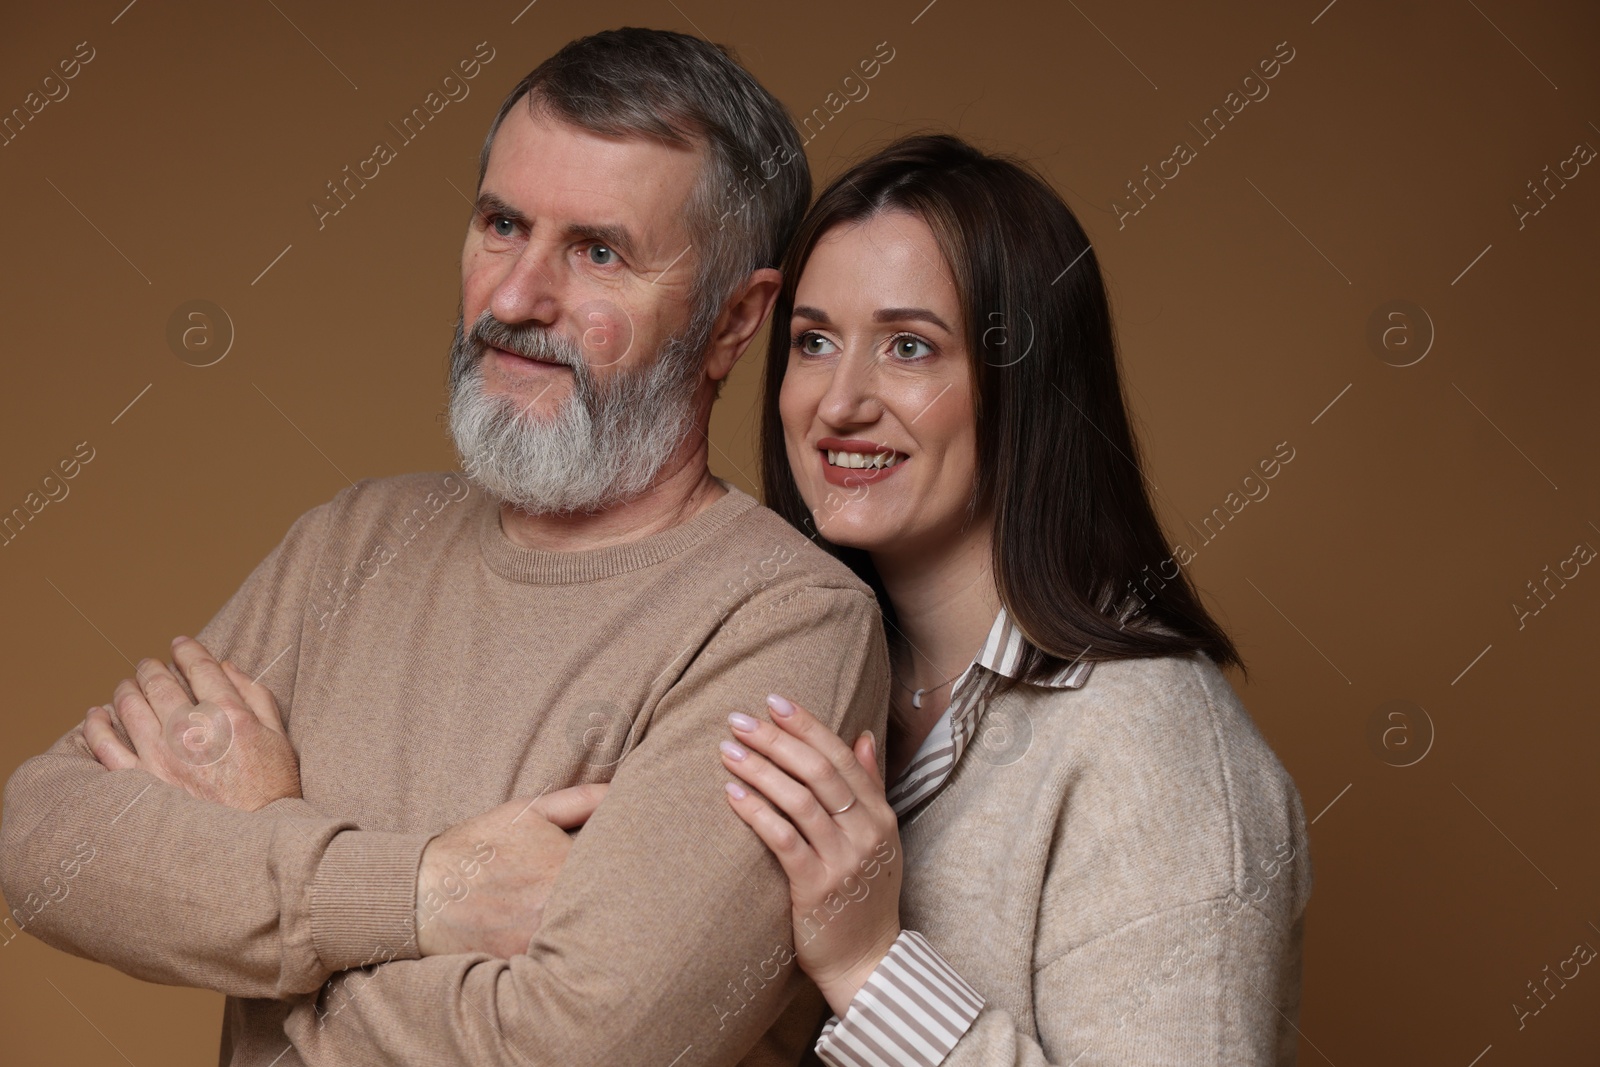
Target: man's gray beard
606,443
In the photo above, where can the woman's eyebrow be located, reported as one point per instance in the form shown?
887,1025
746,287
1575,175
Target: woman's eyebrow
905,314
881,315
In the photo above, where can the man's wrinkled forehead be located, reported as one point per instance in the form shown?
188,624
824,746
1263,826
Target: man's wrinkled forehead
634,189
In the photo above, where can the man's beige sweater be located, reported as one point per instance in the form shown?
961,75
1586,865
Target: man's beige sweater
430,669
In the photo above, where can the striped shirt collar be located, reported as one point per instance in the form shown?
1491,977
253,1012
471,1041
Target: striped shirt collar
935,761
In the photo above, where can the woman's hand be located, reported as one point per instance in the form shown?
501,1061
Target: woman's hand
839,845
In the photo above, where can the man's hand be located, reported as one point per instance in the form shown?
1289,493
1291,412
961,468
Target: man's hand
227,745
483,883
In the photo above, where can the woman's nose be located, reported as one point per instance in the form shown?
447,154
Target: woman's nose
852,397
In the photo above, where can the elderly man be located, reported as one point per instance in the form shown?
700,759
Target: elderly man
589,608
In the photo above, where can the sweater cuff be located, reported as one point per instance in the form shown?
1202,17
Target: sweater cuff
364,899
910,1013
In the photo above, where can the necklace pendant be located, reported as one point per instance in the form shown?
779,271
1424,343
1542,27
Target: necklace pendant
916,698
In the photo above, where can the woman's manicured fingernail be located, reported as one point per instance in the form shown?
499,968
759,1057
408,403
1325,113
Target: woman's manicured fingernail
742,722
872,743
732,751
780,706
736,791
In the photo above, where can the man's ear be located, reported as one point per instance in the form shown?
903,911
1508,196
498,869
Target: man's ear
737,325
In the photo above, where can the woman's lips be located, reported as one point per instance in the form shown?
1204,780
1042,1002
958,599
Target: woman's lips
836,473
856,475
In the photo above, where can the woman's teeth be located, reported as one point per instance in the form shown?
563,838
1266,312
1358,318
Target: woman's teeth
860,460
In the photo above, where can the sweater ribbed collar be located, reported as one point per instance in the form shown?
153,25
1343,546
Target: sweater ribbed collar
536,567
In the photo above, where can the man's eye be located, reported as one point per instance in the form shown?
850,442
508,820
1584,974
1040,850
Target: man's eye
497,221
911,348
601,256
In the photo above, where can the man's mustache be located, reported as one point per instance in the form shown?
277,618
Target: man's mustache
532,342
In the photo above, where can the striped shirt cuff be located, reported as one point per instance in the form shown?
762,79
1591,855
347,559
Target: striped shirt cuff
910,1013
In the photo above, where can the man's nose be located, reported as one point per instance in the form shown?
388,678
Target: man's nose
530,290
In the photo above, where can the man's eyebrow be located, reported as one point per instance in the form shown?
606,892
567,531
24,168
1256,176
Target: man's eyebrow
615,235
490,204
610,234
904,314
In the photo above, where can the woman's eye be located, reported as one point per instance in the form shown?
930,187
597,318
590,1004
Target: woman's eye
601,256
814,344
911,348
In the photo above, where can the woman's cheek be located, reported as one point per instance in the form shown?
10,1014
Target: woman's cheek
797,402
949,430
796,411
940,410
945,463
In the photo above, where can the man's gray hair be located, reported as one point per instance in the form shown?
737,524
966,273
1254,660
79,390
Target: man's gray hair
756,184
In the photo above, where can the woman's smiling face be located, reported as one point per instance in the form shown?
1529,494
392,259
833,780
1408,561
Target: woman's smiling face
877,401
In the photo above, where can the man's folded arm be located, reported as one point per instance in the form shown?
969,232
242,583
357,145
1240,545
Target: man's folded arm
668,930
172,889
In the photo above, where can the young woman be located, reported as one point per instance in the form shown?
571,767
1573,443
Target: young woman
1086,853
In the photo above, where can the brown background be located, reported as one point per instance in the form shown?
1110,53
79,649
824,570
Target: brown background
1381,567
